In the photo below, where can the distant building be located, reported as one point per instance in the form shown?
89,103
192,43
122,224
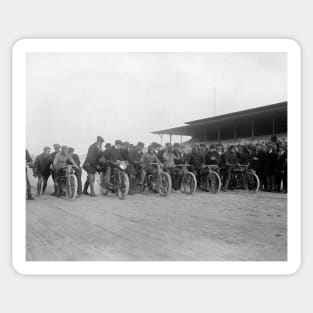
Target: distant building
248,125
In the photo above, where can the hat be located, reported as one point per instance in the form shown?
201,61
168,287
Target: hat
118,142
56,146
108,145
176,144
70,149
140,144
100,139
212,147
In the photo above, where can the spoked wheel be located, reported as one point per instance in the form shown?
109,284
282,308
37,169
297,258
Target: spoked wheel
71,187
253,182
189,183
213,182
102,184
123,189
165,186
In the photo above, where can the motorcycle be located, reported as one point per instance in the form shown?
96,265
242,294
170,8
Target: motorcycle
68,183
159,182
119,180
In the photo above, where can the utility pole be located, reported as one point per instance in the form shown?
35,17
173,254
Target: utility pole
214,100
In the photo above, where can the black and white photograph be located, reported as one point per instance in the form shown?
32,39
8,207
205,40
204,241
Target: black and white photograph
156,156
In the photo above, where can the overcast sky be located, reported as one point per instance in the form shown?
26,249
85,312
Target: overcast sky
73,97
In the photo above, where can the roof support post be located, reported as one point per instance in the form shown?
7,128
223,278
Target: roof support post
161,139
273,126
170,138
181,139
218,135
235,132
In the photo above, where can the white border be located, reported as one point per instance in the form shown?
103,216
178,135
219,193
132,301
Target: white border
155,45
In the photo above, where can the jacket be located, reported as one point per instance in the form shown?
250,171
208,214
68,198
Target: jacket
42,165
92,159
212,158
270,163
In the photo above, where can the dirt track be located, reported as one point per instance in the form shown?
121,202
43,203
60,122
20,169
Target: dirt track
228,226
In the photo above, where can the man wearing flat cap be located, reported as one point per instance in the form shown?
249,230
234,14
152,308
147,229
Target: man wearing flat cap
57,149
42,170
115,154
91,164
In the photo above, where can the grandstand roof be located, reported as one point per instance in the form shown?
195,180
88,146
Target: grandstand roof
267,112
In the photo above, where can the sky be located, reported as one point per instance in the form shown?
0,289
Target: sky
74,97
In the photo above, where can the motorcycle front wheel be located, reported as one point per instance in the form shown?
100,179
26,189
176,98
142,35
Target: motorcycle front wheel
102,184
71,187
165,184
189,183
123,187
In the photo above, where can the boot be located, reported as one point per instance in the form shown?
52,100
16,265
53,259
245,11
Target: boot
54,192
38,189
30,196
85,191
92,189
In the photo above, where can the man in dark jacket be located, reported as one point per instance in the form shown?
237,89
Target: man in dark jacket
78,170
133,167
29,162
212,157
243,155
57,149
230,162
114,154
91,165
42,170
281,169
270,168
196,160
257,163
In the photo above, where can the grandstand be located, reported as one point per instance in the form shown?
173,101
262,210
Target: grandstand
248,125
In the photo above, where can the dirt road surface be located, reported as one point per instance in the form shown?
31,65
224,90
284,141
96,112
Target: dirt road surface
231,226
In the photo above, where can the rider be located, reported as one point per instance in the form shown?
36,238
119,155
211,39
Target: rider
177,172
169,157
230,162
78,171
243,155
212,157
133,167
115,154
196,161
146,167
57,149
59,164
42,169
